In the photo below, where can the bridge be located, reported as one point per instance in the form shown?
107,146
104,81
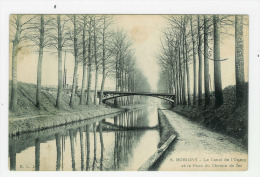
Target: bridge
107,95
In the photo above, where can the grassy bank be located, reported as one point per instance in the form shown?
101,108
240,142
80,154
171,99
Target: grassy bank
26,100
28,117
166,130
230,119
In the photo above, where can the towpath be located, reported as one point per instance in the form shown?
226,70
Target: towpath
198,148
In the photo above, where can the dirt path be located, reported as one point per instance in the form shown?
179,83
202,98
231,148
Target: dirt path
197,148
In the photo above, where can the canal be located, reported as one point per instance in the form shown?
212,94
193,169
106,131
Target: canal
123,142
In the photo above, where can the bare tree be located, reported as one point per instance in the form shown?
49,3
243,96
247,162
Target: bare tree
59,39
200,59
58,100
106,51
194,63
206,62
16,38
16,41
75,44
239,58
217,64
89,62
84,57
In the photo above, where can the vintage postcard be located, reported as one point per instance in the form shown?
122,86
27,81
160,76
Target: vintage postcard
128,92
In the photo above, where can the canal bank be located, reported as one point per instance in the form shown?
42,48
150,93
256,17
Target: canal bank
198,148
41,122
88,145
167,138
231,118
30,124
29,118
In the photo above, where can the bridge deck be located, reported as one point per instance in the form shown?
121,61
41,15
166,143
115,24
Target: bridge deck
137,93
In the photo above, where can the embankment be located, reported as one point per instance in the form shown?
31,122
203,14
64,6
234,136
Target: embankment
167,137
230,119
29,118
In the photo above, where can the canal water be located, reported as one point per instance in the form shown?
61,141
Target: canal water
123,142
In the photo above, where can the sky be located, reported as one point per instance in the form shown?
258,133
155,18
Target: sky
145,31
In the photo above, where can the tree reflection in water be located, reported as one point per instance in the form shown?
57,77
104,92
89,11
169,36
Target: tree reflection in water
81,148
58,147
88,147
113,150
95,147
72,150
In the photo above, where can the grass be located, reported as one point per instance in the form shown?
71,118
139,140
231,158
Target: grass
166,129
230,118
26,100
28,117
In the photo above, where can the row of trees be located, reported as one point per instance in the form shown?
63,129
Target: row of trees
90,38
190,36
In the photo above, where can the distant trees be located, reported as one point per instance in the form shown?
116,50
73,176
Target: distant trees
92,42
181,42
107,52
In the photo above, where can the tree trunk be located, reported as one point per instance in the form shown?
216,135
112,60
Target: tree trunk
89,65
200,61
187,68
64,73
239,61
59,93
103,63
96,61
184,72
177,95
76,64
82,95
206,62
194,66
217,64
39,68
102,87
175,88
180,74
13,105
96,84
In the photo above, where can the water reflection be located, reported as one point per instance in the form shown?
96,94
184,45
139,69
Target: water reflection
12,156
102,145
107,144
37,154
58,147
88,147
95,147
72,150
81,148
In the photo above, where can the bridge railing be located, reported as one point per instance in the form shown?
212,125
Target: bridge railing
151,91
